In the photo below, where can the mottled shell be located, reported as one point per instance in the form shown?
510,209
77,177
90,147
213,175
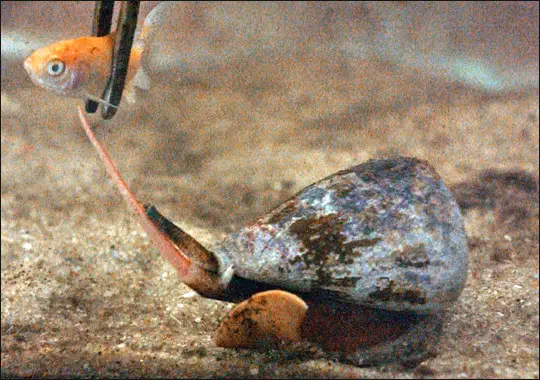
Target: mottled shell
386,234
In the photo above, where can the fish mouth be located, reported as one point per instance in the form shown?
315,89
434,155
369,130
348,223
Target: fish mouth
30,71
28,65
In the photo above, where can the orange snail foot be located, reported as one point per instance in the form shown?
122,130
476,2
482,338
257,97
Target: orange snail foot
275,317
266,319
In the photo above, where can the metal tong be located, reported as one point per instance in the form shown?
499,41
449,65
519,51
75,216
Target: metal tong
127,23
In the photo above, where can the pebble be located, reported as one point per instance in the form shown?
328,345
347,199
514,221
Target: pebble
253,370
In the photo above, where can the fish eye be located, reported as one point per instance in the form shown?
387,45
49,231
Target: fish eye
55,67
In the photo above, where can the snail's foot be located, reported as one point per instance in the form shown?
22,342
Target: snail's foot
265,320
361,335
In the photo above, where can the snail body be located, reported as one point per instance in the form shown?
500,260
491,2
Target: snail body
366,262
383,239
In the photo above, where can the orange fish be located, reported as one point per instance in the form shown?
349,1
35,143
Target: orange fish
77,68
80,68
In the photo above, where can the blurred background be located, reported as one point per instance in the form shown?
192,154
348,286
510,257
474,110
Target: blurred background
249,103
490,45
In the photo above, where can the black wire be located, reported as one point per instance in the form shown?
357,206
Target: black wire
127,23
101,26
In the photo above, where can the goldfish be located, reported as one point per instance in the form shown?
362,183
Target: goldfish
80,68
77,68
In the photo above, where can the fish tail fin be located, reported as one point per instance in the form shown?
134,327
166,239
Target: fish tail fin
153,20
141,81
141,49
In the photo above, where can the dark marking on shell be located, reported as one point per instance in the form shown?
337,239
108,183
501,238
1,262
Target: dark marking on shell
321,237
282,212
413,256
389,293
364,242
370,219
343,188
347,281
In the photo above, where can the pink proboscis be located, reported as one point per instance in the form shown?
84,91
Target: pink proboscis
168,249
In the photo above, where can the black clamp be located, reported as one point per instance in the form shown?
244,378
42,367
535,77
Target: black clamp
127,23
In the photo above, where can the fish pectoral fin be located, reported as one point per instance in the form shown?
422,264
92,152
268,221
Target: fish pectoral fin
141,80
130,94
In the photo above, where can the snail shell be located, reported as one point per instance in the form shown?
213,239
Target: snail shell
386,234
384,239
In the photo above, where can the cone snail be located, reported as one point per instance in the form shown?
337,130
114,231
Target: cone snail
364,263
